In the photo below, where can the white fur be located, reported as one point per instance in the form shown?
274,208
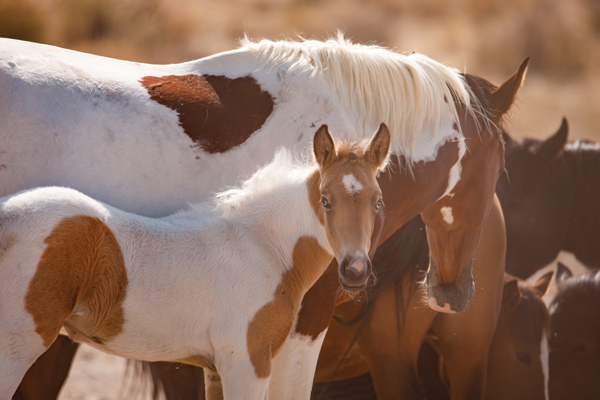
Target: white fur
188,262
352,185
447,215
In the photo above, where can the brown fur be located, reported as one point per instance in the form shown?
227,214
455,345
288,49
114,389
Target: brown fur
216,112
272,324
83,266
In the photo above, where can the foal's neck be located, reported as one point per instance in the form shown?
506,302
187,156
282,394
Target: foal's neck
584,165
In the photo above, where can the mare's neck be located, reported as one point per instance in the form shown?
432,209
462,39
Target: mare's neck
584,165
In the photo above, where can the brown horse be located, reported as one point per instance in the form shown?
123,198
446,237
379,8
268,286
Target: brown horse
575,336
549,197
453,190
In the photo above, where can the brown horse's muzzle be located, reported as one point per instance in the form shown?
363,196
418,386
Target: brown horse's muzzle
354,272
449,298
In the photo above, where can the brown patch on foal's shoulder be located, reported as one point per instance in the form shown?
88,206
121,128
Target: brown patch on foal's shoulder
82,268
272,324
216,112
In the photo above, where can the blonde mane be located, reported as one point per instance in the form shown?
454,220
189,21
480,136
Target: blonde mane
410,93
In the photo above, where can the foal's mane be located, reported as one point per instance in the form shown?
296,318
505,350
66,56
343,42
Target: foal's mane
409,92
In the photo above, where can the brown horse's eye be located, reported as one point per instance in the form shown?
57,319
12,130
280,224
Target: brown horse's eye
524,358
378,205
325,203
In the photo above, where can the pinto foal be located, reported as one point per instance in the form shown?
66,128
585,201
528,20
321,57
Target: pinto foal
217,286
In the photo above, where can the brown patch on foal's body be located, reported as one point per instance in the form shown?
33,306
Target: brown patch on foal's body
216,112
272,324
81,268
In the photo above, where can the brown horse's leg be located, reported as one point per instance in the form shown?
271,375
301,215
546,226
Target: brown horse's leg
463,339
45,377
180,381
391,339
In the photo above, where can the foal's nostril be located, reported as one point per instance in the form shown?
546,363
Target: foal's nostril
358,265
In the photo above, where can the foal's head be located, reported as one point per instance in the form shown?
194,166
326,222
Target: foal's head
348,198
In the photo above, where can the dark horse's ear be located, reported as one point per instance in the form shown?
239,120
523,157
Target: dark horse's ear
324,147
563,274
551,148
379,146
542,284
504,96
511,296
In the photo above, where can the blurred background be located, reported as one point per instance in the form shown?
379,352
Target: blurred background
489,38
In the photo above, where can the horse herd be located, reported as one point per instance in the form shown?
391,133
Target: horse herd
234,213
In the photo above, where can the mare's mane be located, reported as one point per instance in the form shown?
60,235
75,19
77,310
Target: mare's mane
411,93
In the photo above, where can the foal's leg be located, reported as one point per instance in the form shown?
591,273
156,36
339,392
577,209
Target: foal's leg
391,353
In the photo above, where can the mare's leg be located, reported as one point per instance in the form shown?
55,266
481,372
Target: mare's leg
464,339
391,339
180,381
48,373
238,381
213,385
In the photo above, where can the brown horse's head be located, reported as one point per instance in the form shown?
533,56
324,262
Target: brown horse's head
518,358
349,199
454,222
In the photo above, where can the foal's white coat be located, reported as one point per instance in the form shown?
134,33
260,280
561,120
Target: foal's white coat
86,122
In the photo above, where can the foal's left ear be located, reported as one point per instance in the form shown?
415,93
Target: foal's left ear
379,146
324,147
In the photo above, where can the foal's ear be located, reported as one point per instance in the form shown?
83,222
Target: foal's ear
511,296
552,148
542,284
379,146
563,274
505,95
324,147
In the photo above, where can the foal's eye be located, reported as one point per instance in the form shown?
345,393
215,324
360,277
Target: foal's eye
379,204
325,203
524,358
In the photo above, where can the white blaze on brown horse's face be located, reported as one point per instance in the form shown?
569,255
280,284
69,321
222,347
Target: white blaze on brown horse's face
350,199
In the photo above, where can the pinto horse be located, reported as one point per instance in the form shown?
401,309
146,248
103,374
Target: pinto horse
517,365
575,336
149,139
549,198
242,264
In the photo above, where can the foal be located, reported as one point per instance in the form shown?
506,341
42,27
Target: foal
217,286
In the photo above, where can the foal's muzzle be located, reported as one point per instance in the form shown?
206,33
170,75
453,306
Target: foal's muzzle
354,272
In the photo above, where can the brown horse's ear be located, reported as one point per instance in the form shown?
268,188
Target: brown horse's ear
511,296
504,96
324,147
552,148
379,146
563,274
542,284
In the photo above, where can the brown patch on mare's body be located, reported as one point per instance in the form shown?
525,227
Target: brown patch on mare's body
272,324
216,112
81,268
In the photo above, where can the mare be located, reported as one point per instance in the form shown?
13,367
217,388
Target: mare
575,336
149,139
517,362
225,278
549,197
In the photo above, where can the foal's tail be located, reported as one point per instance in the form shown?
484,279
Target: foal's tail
139,379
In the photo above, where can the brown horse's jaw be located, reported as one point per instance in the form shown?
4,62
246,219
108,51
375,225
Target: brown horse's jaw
449,298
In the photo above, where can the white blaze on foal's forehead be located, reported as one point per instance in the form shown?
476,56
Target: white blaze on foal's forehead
447,215
352,184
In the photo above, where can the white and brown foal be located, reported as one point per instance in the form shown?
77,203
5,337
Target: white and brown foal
218,285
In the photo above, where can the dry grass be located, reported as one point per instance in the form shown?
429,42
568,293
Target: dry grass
487,37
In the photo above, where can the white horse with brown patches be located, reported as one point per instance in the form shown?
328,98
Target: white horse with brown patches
218,285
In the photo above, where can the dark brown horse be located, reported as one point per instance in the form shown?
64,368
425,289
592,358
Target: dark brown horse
454,194
575,337
550,196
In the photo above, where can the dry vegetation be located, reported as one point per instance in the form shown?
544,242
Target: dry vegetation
487,37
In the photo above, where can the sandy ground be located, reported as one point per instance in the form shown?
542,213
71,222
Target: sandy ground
95,376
